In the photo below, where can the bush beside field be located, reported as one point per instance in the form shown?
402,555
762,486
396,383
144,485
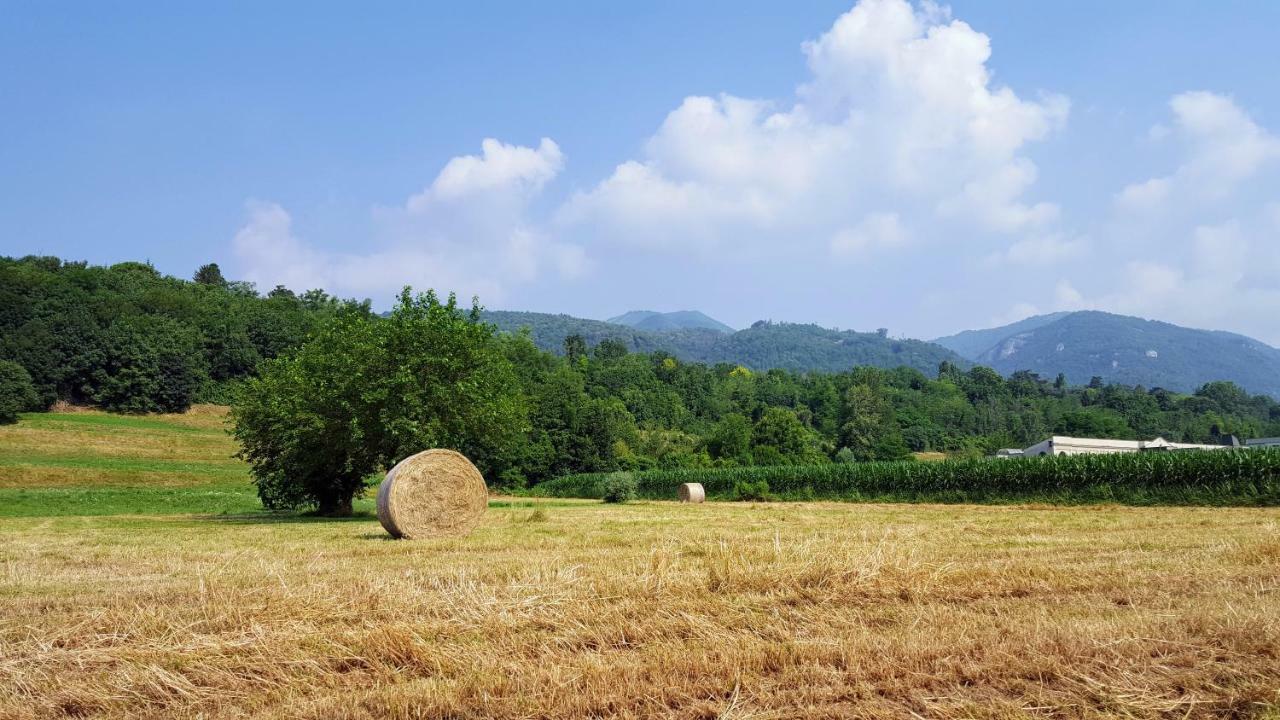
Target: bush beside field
1216,477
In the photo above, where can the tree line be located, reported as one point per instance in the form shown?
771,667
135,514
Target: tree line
327,393
129,339
367,391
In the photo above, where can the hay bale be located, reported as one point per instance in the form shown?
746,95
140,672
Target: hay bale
435,493
691,493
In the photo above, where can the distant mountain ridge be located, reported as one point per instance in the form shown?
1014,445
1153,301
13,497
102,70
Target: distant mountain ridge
1081,345
661,322
1122,349
973,343
763,346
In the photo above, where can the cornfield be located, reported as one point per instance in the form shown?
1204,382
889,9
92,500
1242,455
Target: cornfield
1215,477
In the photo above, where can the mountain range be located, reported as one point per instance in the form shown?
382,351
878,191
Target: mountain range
1080,345
1122,349
762,346
662,322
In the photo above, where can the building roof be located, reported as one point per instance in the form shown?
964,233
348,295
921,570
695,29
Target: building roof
1134,445
1097,442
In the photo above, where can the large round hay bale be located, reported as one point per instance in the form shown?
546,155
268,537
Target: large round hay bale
435,493
691,493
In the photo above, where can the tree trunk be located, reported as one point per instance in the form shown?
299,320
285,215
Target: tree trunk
335,506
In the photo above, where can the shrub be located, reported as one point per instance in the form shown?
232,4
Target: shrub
17,393
751,490
620,487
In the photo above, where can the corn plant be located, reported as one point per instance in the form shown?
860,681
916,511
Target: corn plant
1214,477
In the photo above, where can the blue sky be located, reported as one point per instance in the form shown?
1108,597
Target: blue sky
919,167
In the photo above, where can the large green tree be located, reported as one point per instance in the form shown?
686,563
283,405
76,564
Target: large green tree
366,392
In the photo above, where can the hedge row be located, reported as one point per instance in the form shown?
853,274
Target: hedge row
1215,477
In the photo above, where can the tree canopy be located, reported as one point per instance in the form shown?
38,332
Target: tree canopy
366,392
130,339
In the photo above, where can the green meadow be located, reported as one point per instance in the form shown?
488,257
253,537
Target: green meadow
93,463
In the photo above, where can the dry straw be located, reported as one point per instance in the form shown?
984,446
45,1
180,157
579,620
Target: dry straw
691,493
435,493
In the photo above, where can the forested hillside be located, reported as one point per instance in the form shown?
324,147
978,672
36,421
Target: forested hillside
549,331
763,346
662,321
971,344
130,339
1117,348
127,338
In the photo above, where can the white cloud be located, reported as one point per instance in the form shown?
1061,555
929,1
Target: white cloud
1199,245
1220,252
270,254
900,117
876,231
1222,281
1145,196
1019,311
1066,297
499,167
1222,147
1041,250
899,140
468,232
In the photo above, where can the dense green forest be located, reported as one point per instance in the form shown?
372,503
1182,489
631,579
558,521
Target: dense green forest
130,339
609,409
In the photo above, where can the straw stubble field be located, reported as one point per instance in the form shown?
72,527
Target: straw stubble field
572,609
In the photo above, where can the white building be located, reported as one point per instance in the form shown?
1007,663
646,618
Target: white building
1063,445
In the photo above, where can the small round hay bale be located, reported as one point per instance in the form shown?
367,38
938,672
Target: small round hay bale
435,493
691,493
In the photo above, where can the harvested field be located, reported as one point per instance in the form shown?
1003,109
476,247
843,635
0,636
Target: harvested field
648,609
578,609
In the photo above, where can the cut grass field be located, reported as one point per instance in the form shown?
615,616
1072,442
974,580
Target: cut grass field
84,462
91,463
579,609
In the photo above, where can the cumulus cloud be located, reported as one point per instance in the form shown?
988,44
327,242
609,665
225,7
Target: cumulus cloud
1222,147
1145,196
1041,250
898,149
876,231
1197,245
1221,276
507,169
900,117
1066,297
270,254
468,231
